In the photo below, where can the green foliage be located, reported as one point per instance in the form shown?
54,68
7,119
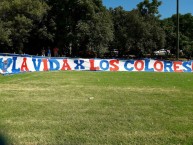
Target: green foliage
86,26
186,33
18,18
136,33
149,8
4,33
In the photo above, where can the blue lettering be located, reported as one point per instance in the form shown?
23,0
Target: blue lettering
187,66
79,65
147,66
107,65
14,69
168,65
1,63
126,65
52,62
37,66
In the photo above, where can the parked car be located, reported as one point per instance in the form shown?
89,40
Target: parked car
161,52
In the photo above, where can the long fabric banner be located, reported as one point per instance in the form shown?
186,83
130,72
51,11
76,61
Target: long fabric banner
11,64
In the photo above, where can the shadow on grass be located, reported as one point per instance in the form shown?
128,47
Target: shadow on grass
3,139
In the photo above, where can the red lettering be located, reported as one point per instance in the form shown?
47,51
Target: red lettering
65,66
45,62
192,66
24,65
114,66
177,66
139,65
160,64
92,67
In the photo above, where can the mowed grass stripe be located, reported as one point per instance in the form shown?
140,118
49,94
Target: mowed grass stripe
97,108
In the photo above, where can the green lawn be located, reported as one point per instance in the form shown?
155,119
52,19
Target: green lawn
92,108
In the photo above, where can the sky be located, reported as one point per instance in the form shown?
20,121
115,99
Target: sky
167,9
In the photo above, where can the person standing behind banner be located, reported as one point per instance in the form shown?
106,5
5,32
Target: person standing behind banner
55,52
49,52
43,52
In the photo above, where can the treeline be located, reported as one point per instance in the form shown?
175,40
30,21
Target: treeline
86,28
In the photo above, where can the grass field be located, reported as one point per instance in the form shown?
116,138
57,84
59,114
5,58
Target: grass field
93,108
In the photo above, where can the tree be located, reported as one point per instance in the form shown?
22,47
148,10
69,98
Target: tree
149,8
82,24
135,33
4,36
186,33
19,19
